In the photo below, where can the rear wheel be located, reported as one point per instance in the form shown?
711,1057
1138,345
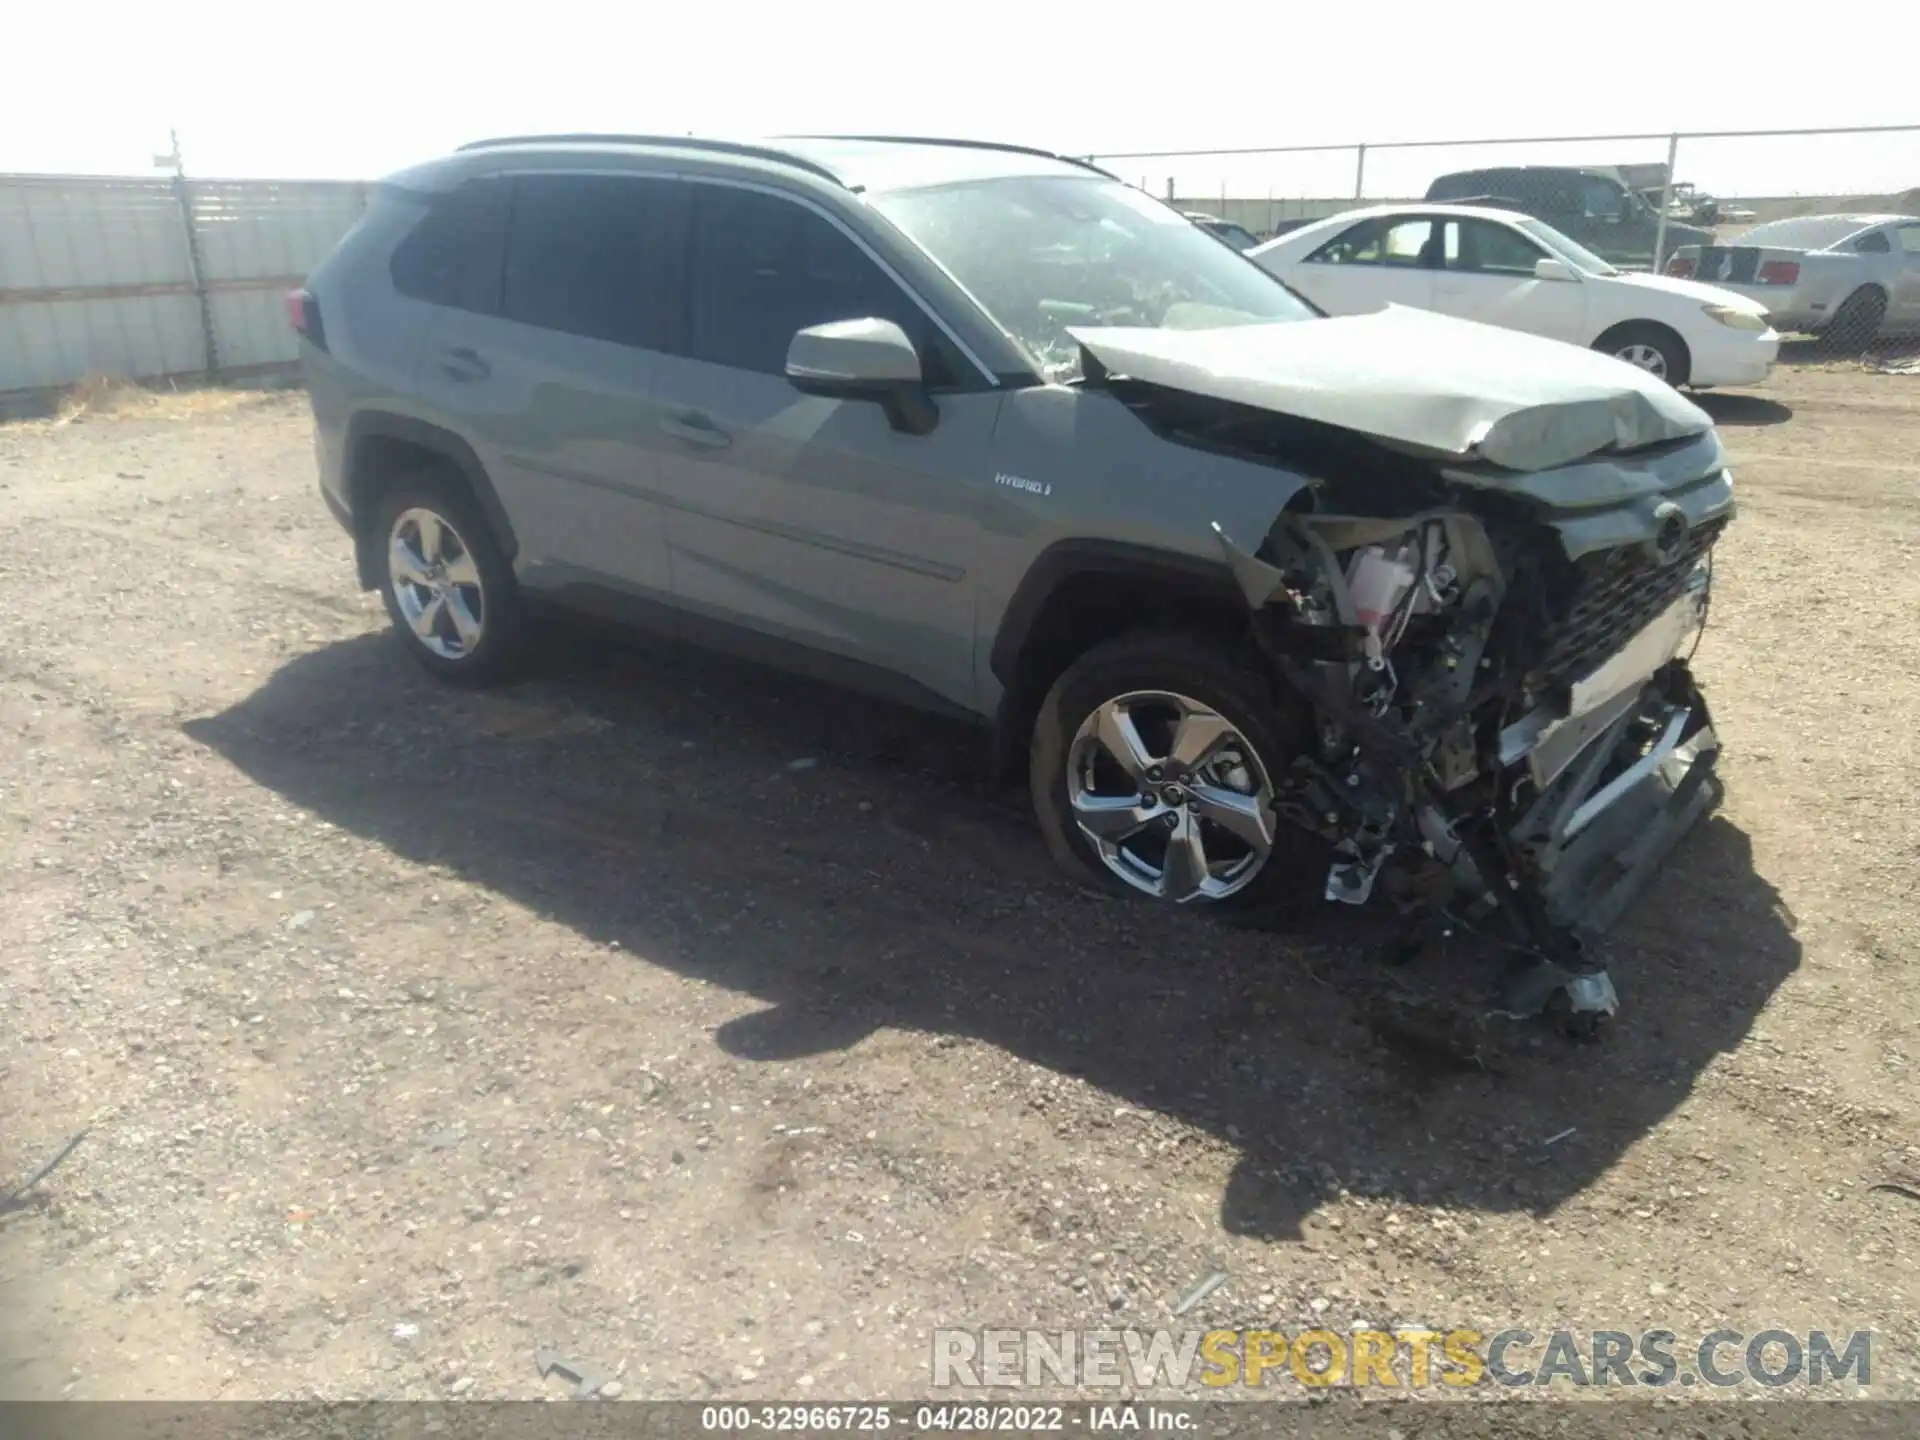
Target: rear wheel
1652,348
448,589
1856,323
1154,767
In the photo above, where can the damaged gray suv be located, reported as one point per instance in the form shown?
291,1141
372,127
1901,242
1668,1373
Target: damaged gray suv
989,430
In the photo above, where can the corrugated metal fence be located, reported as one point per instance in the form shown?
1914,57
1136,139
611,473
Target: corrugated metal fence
156,279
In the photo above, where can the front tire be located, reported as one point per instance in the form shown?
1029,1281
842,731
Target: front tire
448,590
1649,347
1154,765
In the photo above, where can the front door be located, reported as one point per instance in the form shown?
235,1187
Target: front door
805,519
1488,275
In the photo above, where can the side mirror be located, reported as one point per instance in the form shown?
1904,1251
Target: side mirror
867,359
1548,268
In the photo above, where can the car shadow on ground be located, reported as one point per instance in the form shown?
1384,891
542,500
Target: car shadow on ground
667,802
1743,410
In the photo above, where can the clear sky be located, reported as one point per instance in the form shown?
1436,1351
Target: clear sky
355,88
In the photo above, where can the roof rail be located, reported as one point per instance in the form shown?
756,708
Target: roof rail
965,145
682,142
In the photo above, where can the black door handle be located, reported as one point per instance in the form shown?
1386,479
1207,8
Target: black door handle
461,363
696,428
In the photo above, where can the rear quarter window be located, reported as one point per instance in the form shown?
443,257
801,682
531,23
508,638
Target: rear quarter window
452,256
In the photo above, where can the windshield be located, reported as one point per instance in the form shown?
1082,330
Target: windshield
1572,251
1816,233
1044,253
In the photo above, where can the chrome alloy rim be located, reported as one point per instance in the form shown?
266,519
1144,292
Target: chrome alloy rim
436,583
1647,357
1172,798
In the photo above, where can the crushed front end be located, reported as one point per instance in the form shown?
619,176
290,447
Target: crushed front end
1510,736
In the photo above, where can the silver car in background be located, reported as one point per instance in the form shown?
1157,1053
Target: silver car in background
1848,279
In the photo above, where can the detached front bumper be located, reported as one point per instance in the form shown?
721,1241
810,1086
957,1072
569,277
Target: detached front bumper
1630,798
1617,782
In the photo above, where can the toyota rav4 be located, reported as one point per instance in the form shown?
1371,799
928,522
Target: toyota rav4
987,429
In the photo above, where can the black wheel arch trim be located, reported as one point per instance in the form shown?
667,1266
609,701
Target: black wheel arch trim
385,425
1066,560
1060,563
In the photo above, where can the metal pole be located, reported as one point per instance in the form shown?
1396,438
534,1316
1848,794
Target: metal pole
1666,200
1169,189
194,268
1360,170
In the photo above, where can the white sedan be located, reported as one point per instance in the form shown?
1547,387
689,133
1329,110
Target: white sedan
1503,268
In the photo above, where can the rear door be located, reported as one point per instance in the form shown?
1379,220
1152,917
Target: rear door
1487,275
558,384
594,263
803,518
1384,260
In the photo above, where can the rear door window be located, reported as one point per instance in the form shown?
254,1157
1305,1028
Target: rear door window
1384,240
598,256
452,256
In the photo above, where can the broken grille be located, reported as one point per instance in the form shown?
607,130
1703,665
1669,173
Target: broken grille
1616,594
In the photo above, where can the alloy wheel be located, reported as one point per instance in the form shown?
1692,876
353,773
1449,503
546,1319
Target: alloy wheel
1649,358
1172,797
436,583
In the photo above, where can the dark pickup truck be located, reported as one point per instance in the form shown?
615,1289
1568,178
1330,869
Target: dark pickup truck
1593,206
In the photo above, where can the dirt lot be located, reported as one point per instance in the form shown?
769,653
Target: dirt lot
727,1034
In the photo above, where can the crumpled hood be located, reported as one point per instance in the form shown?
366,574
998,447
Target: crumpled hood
1416,378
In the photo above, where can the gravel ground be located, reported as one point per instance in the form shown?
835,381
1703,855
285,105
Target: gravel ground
728,1035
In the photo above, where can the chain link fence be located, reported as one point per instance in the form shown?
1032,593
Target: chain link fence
1757,175
1681,203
